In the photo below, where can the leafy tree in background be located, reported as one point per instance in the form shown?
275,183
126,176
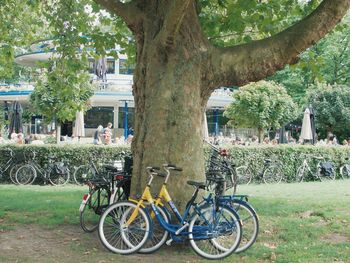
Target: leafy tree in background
261,105
185,49
331,104
328,62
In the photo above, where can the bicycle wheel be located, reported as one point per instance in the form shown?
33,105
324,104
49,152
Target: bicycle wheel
119,237
250,224
159,235
215,233
92,207
25,174
272,174
58,179
13,173
82,174
300,174
344,172
244,175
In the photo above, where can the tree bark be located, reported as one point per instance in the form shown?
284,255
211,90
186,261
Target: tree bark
177,69
261,135
169,106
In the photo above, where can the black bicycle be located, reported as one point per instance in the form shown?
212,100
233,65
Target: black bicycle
272,173
103,191
55,172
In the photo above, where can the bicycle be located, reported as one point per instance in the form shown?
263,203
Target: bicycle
207,224
304,170
344,169
12,165
56,173
102,192
85,172
271,173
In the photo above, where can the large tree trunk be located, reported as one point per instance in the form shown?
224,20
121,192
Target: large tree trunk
168,110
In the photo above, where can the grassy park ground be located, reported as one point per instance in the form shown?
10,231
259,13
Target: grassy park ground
308,222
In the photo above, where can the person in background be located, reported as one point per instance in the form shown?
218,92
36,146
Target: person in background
107,133
20,138
274,142
266,140
345,143
97,135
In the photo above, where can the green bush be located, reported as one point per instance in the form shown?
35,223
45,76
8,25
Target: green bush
290,156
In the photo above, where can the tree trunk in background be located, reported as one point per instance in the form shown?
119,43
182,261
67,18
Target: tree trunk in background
261,135
58,132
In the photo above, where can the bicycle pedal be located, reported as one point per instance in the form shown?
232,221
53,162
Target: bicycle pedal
168,243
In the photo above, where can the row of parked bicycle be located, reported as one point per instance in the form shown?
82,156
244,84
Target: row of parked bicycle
25,170
215,226
271,171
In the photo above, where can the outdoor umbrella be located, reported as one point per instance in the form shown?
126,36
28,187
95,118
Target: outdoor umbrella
79,130
306,131
205,131
313,124
16,124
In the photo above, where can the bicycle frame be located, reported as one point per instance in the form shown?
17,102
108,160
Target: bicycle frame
177,232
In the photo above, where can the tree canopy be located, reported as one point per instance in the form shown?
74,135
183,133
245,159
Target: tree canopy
261,105
331,104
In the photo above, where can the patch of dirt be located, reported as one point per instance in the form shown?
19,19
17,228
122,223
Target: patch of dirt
336,238
32,243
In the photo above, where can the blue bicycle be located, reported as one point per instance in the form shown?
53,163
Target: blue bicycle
213,230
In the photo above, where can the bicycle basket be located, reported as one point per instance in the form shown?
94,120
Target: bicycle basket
326,169
61,168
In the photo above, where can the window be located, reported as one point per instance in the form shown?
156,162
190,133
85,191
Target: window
110,66
98,116
126,68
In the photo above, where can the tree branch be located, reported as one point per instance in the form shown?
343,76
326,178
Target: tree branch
127,11
238,65
173,21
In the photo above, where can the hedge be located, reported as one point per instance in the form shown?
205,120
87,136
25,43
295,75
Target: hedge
290,156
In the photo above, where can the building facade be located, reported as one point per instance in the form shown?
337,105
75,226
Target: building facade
112,100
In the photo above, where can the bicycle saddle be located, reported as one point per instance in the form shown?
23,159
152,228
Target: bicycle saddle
200,185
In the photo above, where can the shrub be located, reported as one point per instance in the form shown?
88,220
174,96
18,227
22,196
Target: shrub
290,156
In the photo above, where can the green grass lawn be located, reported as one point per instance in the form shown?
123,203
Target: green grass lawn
308,222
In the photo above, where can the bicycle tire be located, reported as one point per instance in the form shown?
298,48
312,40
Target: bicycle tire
26,174
244,175
273,174
344,172
13,171
215,249
82,174
300,175
113,233
97,201
58,179
249,219
159,235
